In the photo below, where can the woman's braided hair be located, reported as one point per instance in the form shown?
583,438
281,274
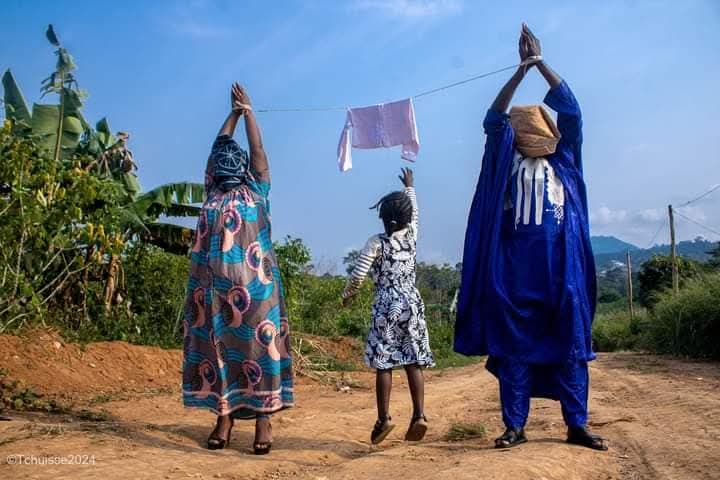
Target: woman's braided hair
395,211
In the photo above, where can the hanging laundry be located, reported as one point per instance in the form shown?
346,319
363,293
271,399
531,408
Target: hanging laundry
384,125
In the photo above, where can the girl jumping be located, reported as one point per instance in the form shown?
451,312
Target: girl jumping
398,334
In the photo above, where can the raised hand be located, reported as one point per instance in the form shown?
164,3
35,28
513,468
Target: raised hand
532,44
407,178
239,99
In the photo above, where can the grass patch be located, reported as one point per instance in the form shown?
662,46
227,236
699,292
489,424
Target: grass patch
91,416
453,359
465,431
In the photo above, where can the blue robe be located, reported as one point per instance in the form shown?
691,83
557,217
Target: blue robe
493,314
527,297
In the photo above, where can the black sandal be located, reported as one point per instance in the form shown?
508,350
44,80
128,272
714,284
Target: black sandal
417,429
582,436
511,438
381,430
214,442
263,448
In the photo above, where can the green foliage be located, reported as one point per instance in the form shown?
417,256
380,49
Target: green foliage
656,277
314,302
714,262
15,106
438,283
688,323
615,331
155,286
59,224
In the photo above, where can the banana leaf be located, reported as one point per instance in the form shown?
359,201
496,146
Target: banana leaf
169,237
51,36
161,199
104,134
73,104
15,106
44,124
181,210
131,183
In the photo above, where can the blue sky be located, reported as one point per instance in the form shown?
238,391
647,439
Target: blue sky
646,74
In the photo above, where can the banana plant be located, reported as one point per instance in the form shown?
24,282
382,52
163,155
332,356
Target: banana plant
59,127
169,200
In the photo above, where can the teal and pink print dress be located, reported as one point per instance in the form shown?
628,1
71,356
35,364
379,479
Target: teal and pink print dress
236,333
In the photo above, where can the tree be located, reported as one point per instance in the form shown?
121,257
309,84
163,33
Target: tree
656,276
71,201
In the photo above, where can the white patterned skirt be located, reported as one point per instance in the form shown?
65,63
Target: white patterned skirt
398,334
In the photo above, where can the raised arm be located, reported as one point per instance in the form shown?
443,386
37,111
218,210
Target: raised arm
408,180
503,99
559,98
258,159
527,51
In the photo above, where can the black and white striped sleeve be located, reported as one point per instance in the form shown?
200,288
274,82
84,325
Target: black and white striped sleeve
410,191
362,266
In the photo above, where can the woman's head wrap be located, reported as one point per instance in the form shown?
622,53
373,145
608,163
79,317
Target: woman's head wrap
229,162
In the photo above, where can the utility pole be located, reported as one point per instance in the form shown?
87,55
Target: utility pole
673,252
630,286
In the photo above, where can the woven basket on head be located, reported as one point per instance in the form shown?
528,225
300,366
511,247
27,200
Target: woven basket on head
536,134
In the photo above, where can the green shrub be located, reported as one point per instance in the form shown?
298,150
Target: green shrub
613,331
688,323
656,276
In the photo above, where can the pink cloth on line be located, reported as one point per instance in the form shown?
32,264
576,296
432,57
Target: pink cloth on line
384,125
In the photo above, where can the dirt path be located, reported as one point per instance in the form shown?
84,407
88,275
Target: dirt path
662,417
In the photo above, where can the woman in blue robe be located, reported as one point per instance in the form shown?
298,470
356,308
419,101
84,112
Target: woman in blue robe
528,290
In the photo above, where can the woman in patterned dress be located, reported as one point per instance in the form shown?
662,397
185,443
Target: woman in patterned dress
236,344
398,335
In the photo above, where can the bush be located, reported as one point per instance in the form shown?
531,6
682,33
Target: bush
656,276
613,331
153,286
688,323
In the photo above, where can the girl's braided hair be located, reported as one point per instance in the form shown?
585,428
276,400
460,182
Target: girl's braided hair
395,210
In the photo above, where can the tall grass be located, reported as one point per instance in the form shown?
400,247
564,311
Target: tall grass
613,331
688,323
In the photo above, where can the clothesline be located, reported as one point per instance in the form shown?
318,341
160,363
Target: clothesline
421,94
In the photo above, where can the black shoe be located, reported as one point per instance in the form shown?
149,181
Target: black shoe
381,430
417,429
511,438
262,448
214,442
582,436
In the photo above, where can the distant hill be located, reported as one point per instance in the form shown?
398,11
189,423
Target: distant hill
602,244
695,249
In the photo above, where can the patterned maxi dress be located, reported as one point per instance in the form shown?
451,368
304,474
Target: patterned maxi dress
236,333
398,334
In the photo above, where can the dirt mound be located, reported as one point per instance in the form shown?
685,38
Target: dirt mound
48,364
344,353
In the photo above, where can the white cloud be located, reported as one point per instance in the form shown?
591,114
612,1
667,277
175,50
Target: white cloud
651,226
607,216
650,215
411,9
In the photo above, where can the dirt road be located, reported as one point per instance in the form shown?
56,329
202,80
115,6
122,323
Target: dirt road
662,417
